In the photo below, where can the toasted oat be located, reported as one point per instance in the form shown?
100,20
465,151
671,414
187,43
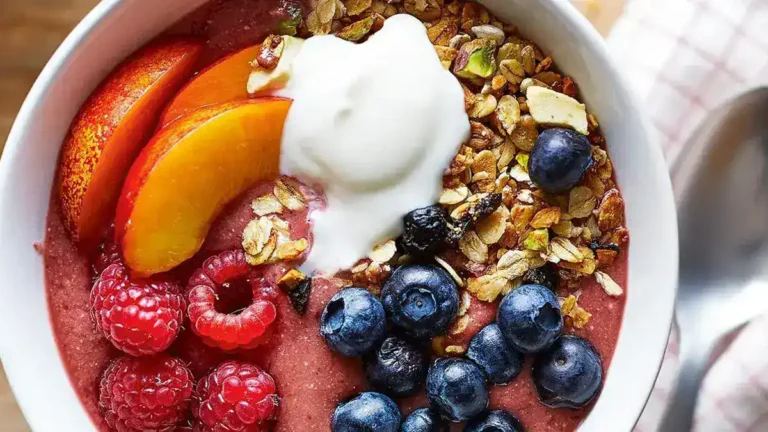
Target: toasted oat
546,217
473,248
455,350
508,114
256,235
609,285
288,197
454,196
487,287
460,325
570,308
581,202
537,240
563,249
586,266
491,229
266,205
450,271
384,252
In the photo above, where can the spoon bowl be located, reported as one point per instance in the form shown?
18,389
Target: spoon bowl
721,186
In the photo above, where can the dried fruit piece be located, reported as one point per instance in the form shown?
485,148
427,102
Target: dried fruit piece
299,296
551,108
609,285
476,59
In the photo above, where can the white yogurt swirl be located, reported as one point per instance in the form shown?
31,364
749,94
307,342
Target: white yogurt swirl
376,124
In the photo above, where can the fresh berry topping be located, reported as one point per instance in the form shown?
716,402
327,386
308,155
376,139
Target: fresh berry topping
456,388
569,374
107,255
495,421
424,230
208,291
147,393
367,412
421,299
235,397
424,420
530,318
353,322
199,356
496,358
396,368
545,275
559,159
139,317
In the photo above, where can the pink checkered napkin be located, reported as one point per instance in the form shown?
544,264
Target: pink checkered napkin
684,58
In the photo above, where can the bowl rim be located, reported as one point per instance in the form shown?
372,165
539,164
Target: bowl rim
30,407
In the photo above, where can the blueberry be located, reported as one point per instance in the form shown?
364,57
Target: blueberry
353,322
424,420
421,299
569,374
530,318
397,368
456,388
367,412
559,159
495,421
496,358
546,275
424,230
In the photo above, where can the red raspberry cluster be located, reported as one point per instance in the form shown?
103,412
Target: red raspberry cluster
150,390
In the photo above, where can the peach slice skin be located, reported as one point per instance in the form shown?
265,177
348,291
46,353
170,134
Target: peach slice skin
188,173
112,127
224,81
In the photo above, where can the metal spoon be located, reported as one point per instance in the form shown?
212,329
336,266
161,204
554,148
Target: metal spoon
721,187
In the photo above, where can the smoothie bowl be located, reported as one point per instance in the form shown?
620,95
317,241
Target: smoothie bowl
360,215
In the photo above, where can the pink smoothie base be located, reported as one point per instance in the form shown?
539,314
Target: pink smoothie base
311,379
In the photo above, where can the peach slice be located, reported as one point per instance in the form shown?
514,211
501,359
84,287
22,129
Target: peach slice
112,127
223,81
188,173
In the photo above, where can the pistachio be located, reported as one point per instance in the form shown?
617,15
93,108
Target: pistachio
512,70
528,57
356,7
476,59
360,29
443,31
459,40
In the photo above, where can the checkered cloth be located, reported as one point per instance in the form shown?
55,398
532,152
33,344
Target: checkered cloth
684,58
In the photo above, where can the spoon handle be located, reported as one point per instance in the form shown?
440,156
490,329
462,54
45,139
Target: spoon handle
693,366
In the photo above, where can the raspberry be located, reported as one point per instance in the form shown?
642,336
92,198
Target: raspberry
139,317
146,393
235,397
228,331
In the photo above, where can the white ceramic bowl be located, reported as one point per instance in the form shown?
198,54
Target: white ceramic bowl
116,28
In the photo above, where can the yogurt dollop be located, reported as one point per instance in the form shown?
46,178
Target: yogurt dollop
375,124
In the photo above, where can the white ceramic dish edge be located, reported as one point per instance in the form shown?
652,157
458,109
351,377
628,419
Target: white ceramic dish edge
27,347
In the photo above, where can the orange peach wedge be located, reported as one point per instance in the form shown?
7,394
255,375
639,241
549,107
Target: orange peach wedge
112,127
223,81
188,173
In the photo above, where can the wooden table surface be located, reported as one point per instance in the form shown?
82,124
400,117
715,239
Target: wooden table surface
30,30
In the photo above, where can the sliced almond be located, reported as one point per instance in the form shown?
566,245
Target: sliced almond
551,108
563,249
609,285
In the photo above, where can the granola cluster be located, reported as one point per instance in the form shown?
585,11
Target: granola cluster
513,91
